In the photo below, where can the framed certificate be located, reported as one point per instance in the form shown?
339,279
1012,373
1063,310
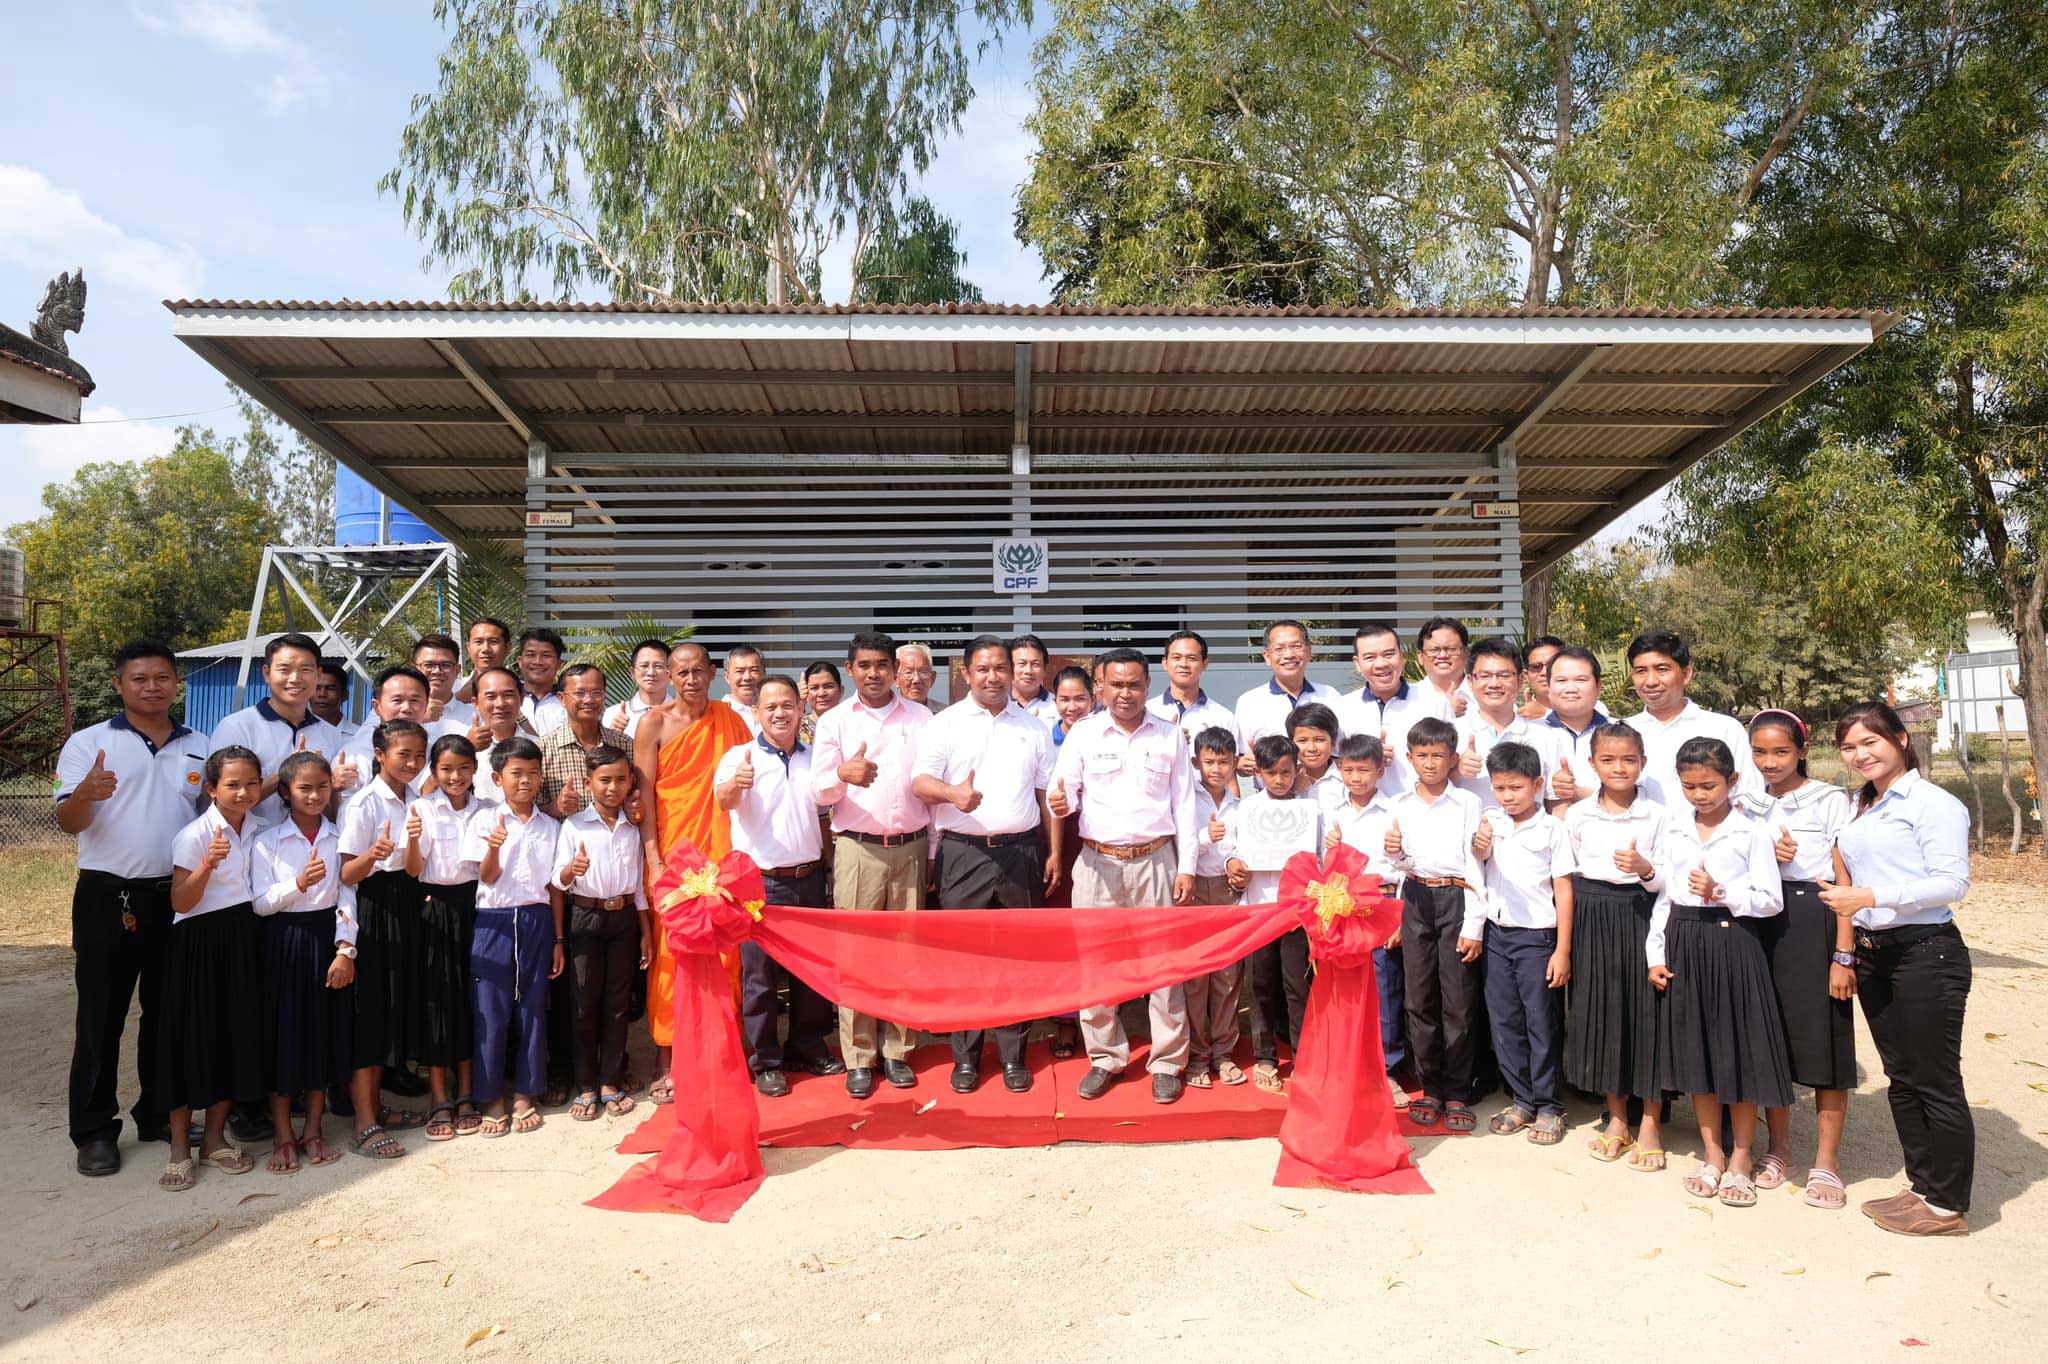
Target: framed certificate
1271,831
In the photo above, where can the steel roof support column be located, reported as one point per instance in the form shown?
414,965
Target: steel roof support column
1020,475
1510,543
537,469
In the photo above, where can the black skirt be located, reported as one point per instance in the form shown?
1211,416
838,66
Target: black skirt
390,1010
1820,1031
1611,1009
211,1047
306,1041
1720,1033
447,919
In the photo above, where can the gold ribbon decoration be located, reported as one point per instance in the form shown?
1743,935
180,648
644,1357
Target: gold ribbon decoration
1332,898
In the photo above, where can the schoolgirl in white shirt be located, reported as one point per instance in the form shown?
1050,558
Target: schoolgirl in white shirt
436,855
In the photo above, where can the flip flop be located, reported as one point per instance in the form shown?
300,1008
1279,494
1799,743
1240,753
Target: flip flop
1398,1094
1267,1077
1704,1182
662,1092
1773,1171
326,1157
1199,1079
1229,1072
1825,1190
468,1117
619,1104
178,1176
495,1126
1738,1190
229,1160
1648,1160
585,1108
1608,1149
527,1119
278,1152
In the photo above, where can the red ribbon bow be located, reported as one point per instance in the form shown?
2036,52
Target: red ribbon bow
1342,907
704,906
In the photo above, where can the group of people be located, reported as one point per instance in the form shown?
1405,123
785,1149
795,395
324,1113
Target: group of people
1628,908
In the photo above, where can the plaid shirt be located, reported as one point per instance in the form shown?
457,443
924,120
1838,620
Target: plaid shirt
562,759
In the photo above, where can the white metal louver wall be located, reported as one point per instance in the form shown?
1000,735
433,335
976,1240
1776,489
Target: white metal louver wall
795,553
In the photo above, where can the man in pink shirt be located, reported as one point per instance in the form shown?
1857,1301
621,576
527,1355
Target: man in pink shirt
861,770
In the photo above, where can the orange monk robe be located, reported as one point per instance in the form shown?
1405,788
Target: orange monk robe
684,807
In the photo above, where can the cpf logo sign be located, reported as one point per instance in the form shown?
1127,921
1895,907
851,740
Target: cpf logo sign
1021,566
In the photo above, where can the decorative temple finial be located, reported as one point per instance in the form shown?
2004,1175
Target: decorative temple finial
63,311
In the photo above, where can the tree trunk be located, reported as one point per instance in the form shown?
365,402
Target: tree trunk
1536,602
2030,633
1970,776
2019,824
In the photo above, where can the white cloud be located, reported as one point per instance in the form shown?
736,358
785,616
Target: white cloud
40,455
240,28
44,228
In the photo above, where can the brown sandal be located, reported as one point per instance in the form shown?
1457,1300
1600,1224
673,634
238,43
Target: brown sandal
1266,1076
284,1158
1230,1073
316,1152
441,1128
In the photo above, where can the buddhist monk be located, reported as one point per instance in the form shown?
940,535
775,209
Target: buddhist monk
676,748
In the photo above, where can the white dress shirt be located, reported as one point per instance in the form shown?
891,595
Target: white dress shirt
1009,752
272,738
891,736
776,821
1263,887
1131,786
1212,857
1436,844
1816,812
444,832
1912,849
364,816
1192,720
1736,855
614,852
157,791
1525,860
1360,712
1263,711
457,716
1476,735
281,853
1662,740
233,880
526,860
1364,829
545,713
360,748
1598,833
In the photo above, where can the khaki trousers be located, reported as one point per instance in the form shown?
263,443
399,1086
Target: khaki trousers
870,876
1212,999
1103,882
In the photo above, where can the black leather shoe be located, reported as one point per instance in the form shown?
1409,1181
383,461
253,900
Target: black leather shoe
966,1079
860,1081
1017,1079
401,1081
1166,1088
160,1131
1095,1083
826,1064
99,1157
772,1083
899,1073
250,1129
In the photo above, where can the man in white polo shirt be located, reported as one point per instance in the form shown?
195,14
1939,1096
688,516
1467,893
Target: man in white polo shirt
1388,704
1264,710
438,659
1660,669
1029,658
124,788
540,663
283,723
982,766
1184,704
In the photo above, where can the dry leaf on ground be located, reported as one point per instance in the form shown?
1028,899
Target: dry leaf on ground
482,1333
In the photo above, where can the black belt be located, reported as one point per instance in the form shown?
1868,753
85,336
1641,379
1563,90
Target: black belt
794,872
158,884
608,904
883,840
1871,939
1703,914
1029,835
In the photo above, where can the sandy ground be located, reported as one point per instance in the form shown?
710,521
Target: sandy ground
1068,1252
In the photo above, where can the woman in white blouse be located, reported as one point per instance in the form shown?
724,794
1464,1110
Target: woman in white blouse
1904,864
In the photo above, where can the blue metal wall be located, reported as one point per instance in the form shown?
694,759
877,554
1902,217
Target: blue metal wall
210,692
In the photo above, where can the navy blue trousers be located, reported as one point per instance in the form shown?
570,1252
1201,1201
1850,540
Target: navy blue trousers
1527,1016
509,957
1393,983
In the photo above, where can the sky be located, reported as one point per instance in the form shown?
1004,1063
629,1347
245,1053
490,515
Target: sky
231,149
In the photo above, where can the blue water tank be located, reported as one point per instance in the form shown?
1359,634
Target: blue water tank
359,515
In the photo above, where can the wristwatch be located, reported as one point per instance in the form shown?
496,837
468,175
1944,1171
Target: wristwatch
345,949
1844,959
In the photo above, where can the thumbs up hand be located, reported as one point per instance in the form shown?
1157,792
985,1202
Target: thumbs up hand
858,770
1393,840
1216,831
345,772
1705,886
217,849
98,783
496,837
383,847
1458,703
965,796
479,734
1334,839
1056,798
1470,764
1482,841
744,778
315,872
302,741
414,825
1787,847
576,865
569,799
1629,860
1564,786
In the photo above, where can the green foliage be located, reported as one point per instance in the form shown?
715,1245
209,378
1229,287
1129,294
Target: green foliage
677,149
1425,151
915,258
612,651
286,474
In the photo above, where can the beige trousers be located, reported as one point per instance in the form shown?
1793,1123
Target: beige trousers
1212,999
870,876
1103,882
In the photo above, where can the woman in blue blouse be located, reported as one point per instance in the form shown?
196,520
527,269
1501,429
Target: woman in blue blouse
1904,864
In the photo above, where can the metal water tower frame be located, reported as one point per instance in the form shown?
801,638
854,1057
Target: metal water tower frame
35,681
375,573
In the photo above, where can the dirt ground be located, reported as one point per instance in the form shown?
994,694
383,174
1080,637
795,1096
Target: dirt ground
1068,1252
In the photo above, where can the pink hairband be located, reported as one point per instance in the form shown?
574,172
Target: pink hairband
1798,725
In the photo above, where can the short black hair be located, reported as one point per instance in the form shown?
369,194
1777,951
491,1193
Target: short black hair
1284,623
1267,752
782,680
1543,642
1314,715
644,645
1362,748
1573,651
1216,739
981,642
436,641
458,744
504,630
1070,673
398,670
143,648
338,670
1451,623
518,746
1663,642
1430,732
540,634
295,763
871,642
1711,754
577,670
821,666
290,639
603,756
1112,656
477,683
1178,635
1028,642
1618,731
218,760
1373,629
1493,646
1513,759
392,730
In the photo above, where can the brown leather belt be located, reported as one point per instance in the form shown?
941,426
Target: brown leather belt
608,904
1437,882
883,840
796,872
1127,852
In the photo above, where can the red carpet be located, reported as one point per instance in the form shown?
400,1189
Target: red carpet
819,1112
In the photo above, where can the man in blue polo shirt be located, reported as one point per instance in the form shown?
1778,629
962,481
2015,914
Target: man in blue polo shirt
1574,714
124,788
1388,705
283,723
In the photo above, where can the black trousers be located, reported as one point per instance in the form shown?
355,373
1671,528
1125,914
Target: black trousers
812,1017
111,960
973,875
1913,996
1279,994
1526,1016
603,951
1443,992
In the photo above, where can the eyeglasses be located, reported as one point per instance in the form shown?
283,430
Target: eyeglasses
1439,651
1495,676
